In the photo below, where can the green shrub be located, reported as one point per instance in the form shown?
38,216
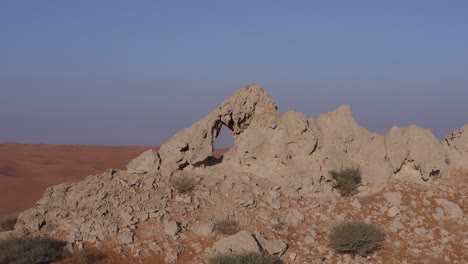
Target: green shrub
8,224
226,227
245,258
27,250
346,181
356,238
183,184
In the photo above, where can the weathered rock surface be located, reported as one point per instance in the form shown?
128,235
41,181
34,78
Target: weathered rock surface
243,242
456,145
415,154
278,162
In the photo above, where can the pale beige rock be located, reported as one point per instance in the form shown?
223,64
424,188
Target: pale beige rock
248,107
456,145
241,242
203,229
172,228
394,198
147,161
415,154
452,210
294,218
273,247
344,144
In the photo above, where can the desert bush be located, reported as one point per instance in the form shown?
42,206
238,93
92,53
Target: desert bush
226,227
8,224
245,258
346,181
27,250
356,238
183,184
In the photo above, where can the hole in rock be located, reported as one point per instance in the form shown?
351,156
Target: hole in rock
221,145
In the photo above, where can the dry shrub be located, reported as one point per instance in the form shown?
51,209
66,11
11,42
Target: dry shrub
226,227
346,181
8,224
245,258
26,250
183,184
356,238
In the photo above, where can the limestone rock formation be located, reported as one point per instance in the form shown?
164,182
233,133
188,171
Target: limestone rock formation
277,160
456,145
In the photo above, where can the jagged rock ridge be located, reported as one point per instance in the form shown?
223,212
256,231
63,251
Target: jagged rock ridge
274,156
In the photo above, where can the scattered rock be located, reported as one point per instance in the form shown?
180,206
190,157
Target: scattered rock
203,229
393,198
393,211
398,225
273,247
451,209
172,228
294,218
293,256
243,241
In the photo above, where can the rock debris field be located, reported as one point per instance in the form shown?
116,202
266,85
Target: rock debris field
272,192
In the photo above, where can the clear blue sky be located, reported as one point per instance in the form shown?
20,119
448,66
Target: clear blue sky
136,72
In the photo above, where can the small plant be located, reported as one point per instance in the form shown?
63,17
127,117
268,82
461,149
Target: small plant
183,184
245,258
226,227
25,250
356,238
8,224
346,181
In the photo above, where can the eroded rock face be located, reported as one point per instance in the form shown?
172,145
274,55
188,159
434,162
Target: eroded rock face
456,145
345,144
298,152
248,109
416,152
276,160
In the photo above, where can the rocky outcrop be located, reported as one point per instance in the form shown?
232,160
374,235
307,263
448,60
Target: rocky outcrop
277,161
247,110
456,145
414,153
345,144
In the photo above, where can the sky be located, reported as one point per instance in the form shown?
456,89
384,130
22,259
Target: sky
137,72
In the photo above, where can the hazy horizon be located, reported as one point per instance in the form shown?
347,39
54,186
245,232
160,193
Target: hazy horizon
136,73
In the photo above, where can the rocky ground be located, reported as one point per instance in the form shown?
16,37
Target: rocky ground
153,221
272,192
